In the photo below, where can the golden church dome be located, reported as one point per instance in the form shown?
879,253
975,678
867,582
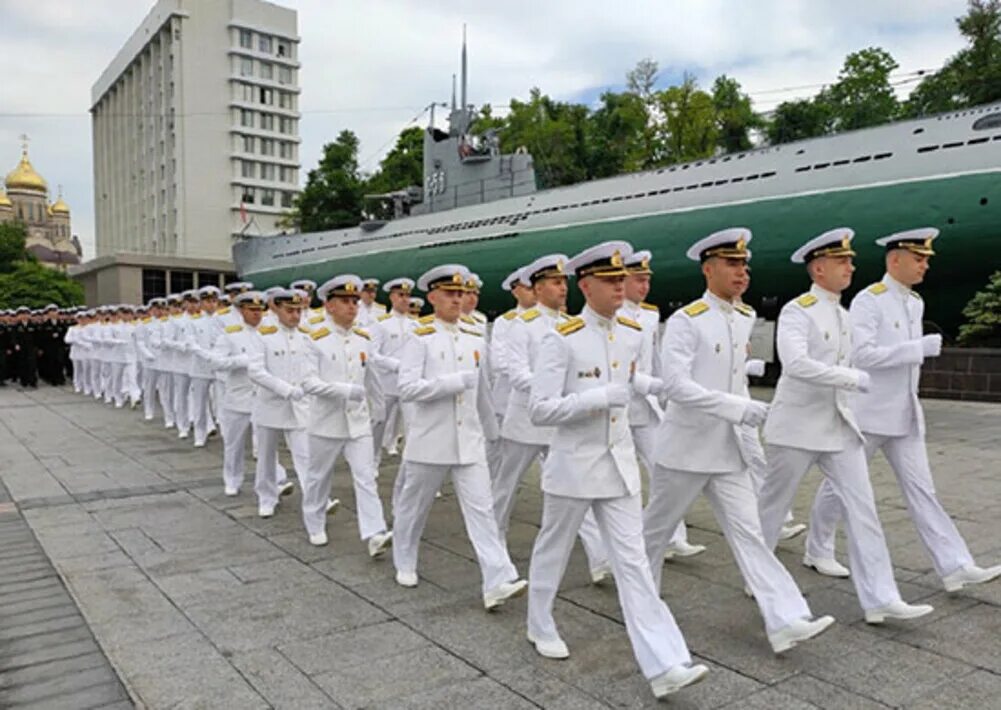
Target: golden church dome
59,207
24,177
5,201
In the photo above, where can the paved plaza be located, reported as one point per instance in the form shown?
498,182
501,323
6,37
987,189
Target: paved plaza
195,602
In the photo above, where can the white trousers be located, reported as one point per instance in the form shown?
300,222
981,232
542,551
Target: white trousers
200,413
182,400
868,556
323,454
516,459
645,440
655,637
384,433
130,382
235,426
165,393
150,382
908,457
115,388
78,374
735,506
754,454
267,473
472,488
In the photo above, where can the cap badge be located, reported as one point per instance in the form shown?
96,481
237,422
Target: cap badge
616,259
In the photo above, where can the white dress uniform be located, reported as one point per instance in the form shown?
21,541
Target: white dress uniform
202,334
370,313
280,406
177,339
592,465
131,372
390,333
347,398
150,375
705,345
811,423
163,364
887,342
76,356
441,374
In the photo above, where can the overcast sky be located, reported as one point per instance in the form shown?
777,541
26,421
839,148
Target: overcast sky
371,65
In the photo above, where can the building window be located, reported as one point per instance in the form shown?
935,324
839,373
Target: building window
246,118
246,39
288,174
267,171
267,70
247,168
268,197
283,49
267,97
267,146
208,278
154,284
284,100
287,199
248,196
285,150
248,144
286,125
246,67
181,281
248,92
284,75
264,44
267,122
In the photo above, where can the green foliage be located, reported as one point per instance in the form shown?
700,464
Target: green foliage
332,198
402,166
688,129
31,284
735,116
862,95
618,135
983,317
796,120
12,240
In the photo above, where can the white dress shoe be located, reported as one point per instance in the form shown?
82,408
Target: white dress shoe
199,444
379,543
828,568
319,539
677,678
500,594
286,488
556,649
148,418
232,491
788,532
897,610
406,579
332,505
798,631
168,425
971,574
182,435
601,573
683,548
265,511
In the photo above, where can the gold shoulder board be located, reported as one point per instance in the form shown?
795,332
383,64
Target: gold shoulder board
696,308
530,315
916,295
424,330
744,309
304,329
316,319
362,333
234,328
424,320
571,326
513,313
267,329
147,320
649,307
163,318
468,320
471,332
196,316
564,316
320,333
223,311
877,288
806,300
629,323
384,317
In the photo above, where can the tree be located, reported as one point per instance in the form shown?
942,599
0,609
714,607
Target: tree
863,95
31,284
332,198
641,79
12,241
983,315
734,115
688,130
797,120
618,135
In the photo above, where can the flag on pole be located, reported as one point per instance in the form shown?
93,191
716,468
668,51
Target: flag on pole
243,212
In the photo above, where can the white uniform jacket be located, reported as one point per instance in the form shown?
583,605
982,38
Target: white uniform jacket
202,334
367,315
524,343
390,334
143,335
703,361
342,358
591,452
231,355
886,342
163,356
645,410
282,364
449,424
501,383
812,407
175,339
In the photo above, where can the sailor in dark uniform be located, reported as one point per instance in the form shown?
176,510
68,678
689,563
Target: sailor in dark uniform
25,347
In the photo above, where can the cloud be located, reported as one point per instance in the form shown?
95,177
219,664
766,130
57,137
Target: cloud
372,65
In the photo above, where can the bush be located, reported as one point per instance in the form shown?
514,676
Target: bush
33,285
983,315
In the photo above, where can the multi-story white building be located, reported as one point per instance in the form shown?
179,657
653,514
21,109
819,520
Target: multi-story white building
196,132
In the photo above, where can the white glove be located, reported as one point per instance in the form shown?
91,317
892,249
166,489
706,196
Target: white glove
356,393
469,378
754,368
238,361
931,345
754,413
618,395
645,384
296,393
864,381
